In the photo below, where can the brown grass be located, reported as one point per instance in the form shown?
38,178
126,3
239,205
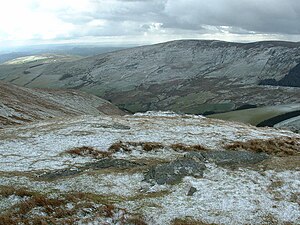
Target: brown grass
55,210
189,221
136,220
187,148
87,151
281,146
150,146
127,146
6,191
119,146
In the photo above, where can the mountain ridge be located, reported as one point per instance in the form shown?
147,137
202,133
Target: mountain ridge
189,76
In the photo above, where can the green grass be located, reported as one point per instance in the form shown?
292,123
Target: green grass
256,115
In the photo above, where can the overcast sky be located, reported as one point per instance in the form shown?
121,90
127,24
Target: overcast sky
146,21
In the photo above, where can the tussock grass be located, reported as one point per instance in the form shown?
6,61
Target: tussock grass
87,151
128,146
119,146
189,221
58,210
6,191
187,148
136,220
281,146
152,146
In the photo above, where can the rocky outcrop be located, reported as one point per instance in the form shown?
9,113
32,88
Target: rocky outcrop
229,157
173,172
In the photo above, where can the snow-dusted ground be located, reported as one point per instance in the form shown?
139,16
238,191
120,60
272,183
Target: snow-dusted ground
224,196
39,146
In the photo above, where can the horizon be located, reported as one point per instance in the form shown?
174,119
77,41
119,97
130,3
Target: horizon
25,48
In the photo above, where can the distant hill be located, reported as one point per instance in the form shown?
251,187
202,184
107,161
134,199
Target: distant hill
188,76
19,105
79,50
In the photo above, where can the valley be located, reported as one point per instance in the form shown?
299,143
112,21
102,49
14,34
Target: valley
178,133
184,76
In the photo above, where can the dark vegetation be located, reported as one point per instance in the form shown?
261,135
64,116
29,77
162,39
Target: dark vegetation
246,106
292,79
66,76
277,119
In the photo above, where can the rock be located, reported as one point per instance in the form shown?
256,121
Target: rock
112,163
101,164
173,172
228,157
195,155
57,174
234,157
117,126
191,191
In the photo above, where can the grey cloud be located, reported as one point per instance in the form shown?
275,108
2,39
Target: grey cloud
129,17
264,16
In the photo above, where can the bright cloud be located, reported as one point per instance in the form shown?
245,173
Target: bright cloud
148,20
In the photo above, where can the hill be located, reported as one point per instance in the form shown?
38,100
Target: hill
19,104
185,76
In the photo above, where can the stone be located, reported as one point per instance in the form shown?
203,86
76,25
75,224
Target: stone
57,174
112,163
192,191
234,157
173,172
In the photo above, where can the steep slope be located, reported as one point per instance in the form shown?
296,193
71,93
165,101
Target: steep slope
19,104
292,124
185,76
154,168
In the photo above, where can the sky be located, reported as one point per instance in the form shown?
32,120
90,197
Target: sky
122,22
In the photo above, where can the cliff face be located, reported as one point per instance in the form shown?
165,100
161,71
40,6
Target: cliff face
292,79
185,76
19,105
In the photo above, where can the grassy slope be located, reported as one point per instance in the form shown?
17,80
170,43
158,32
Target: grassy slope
256,115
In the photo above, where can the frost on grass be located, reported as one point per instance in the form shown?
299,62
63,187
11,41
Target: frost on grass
72,208
40,146
251,194
226,197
